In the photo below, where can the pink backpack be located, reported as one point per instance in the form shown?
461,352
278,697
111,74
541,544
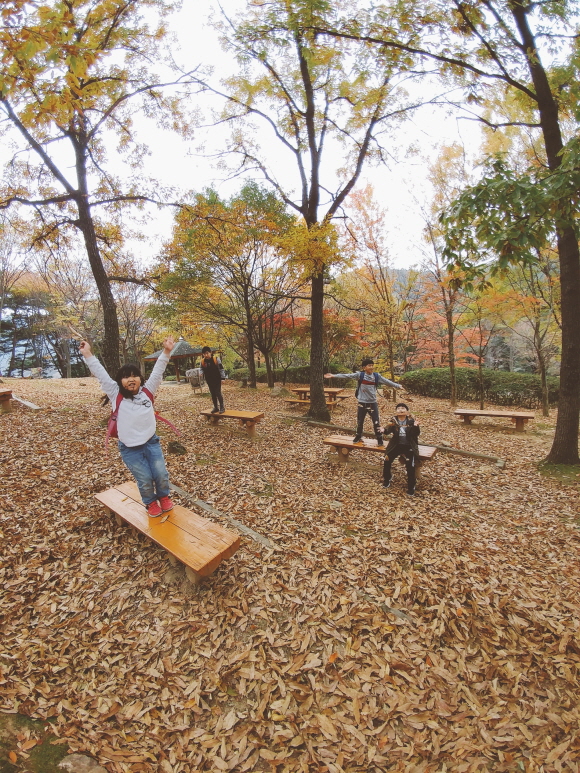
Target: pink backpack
112,425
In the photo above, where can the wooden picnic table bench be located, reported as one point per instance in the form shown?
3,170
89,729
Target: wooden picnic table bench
5,397
332,394
247,419
519,417
199,544
344,445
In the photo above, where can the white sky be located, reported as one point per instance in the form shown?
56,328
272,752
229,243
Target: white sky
402,189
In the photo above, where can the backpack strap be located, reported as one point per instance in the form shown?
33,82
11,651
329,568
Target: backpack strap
112,418
158,416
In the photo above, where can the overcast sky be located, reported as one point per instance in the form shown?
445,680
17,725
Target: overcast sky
402,188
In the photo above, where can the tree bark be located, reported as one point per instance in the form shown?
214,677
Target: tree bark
481,391
269,371
451,355
318,409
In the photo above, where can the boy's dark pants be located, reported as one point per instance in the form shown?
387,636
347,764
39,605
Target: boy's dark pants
373,410
215,391
409,457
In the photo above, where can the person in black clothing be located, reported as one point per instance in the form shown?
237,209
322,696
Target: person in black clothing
212,371
405,432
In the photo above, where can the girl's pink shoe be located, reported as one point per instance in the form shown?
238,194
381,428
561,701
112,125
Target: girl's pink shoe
153,509
166,504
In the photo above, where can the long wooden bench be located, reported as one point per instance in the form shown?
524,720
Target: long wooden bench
5,397
247,419
343,444
199,544
520,418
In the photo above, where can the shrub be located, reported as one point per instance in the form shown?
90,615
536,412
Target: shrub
499,386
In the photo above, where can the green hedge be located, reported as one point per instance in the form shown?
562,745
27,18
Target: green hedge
500,387
298,375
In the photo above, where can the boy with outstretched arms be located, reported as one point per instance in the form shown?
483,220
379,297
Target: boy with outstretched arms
404,442
366,393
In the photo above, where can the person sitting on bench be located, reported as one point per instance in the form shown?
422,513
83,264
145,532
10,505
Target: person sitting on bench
366,393
405,432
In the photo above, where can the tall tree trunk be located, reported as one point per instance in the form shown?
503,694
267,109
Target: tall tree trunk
269,371
451,355
110,349
251,344
318,409
544,380
565,445
481,390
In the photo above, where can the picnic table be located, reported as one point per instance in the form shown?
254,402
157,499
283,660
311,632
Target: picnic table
199,544
332,395
520,418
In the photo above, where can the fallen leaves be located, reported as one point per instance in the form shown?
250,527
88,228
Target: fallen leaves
386,633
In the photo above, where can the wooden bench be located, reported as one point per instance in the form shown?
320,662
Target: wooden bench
296,401
519,417
5,397
247,419
343,444
198,543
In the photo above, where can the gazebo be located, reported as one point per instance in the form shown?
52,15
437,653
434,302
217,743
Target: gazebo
180,352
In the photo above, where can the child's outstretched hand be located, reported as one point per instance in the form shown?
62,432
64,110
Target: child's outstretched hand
328,375
168,344
85,349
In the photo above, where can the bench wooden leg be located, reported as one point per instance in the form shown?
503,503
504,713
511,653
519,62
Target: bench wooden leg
251,428
5,406
193,577
520,424
467,419
343,455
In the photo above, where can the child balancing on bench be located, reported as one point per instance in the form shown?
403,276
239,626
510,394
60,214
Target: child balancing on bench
366,393
136,424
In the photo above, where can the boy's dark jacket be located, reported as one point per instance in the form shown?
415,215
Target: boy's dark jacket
413,432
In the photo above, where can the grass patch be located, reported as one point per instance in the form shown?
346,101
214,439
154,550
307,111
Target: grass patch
567,474
44,757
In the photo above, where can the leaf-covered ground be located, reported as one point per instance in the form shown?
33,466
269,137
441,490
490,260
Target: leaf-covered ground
291,659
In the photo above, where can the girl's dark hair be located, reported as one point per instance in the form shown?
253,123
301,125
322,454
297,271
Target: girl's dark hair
130,369
402,405
367,361
206,349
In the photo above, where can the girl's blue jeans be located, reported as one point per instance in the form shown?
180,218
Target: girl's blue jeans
147,465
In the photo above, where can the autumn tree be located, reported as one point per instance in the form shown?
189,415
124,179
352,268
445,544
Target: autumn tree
12,264
326,104
72,77
225,265
486,46
530,309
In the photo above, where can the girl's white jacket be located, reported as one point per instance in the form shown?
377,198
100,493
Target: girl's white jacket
136,421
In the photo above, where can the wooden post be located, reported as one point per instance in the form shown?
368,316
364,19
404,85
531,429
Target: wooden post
520,424
5,398
251,428
343,454
193,577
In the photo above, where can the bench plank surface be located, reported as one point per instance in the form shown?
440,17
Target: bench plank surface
198,543
370,444
247,419
519,417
